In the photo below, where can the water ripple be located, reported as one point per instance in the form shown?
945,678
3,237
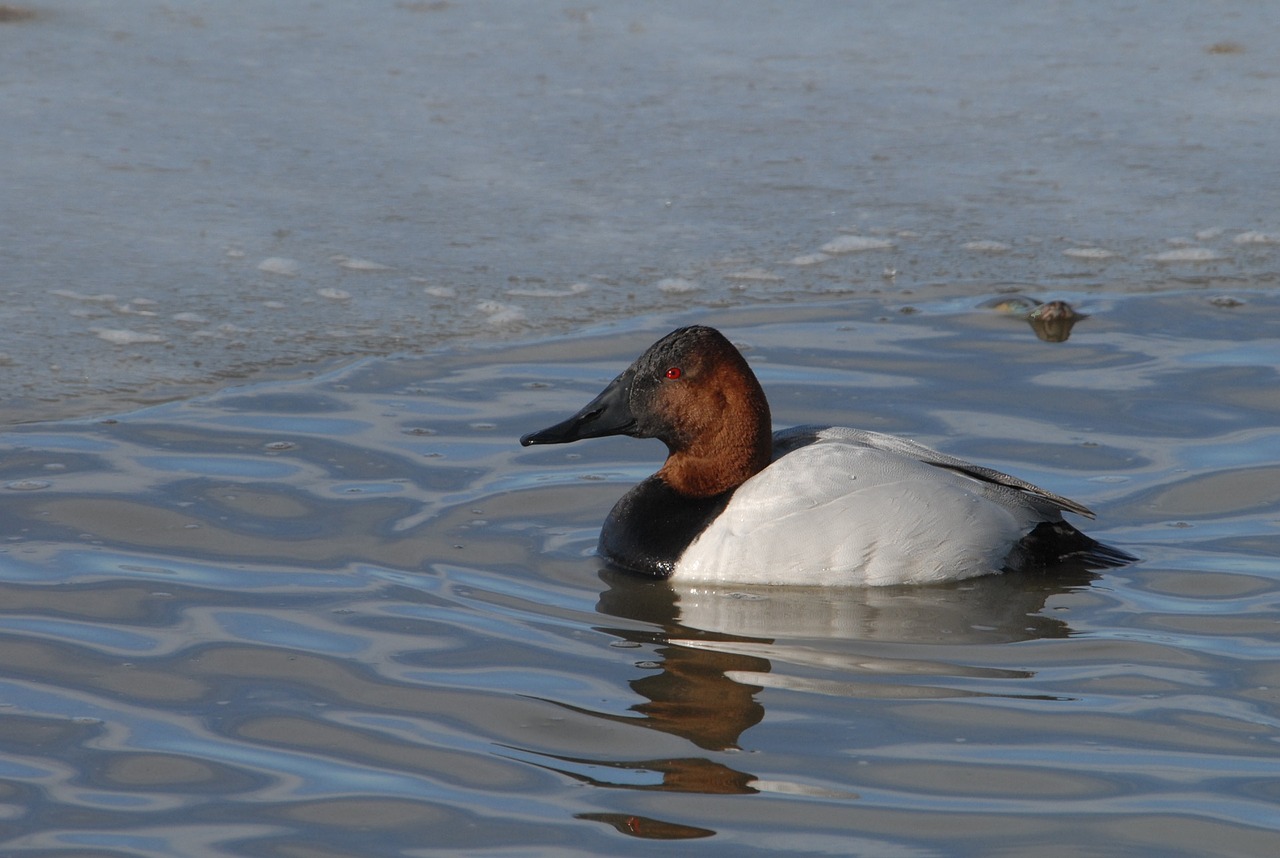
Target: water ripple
297,616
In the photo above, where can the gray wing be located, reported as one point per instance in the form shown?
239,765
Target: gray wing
799,436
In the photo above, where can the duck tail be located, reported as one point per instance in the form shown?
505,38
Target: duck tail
1052,543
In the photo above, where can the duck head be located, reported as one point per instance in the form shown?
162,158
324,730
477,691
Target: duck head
693,391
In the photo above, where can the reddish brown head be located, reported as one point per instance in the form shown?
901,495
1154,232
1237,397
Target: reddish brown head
694,391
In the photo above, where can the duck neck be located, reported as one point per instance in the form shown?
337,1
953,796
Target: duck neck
733,449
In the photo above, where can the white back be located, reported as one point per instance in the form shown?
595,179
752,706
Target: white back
839,511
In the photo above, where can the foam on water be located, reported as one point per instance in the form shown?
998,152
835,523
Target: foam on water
125,337
1257,238
280,266
755,275
987,246
502,315
1095,253
676,286
855,244
1187,254
352,264
809,259
573,289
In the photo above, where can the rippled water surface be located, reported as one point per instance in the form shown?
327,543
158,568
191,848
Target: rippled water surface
350,616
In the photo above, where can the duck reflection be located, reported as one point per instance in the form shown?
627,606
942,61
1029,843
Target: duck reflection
717,648
989,609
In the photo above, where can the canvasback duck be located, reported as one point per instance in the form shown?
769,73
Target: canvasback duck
826,505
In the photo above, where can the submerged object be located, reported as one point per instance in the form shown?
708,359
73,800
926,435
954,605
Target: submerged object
1052,320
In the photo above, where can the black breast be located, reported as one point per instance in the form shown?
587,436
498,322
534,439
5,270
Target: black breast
651,526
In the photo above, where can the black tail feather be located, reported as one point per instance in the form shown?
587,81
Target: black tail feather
1054,543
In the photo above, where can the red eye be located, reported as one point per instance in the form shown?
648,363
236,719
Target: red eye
674,372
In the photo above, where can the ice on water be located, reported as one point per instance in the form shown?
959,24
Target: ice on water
280,266
623,149
855,244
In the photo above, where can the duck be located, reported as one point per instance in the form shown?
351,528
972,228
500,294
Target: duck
737,503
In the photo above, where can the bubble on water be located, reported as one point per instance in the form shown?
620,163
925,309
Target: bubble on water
1257,238
855,244
809,258
676,285
1187,254
334,294
987,246
126,337
1088,253
352,263
27,485
280,265
279,446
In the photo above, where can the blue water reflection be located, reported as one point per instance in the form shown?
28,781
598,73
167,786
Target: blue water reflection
220,626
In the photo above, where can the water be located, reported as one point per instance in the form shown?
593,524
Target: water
203,192
338,611
351,616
